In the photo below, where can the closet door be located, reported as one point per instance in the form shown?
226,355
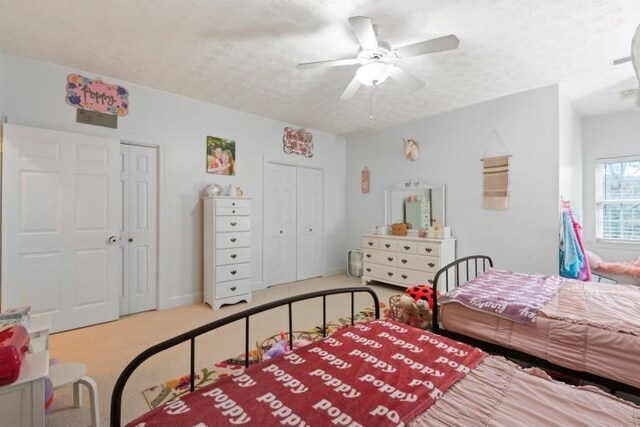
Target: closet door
309,218
280,224
139,178
60,225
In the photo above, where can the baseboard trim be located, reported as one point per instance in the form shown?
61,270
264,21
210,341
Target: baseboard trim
335,271
181,300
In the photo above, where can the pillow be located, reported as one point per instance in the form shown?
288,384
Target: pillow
594,259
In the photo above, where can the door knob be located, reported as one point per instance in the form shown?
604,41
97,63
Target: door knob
112,240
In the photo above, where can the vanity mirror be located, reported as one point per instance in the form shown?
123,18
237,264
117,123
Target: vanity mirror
419,204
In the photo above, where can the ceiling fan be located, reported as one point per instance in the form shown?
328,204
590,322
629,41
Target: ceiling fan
376,58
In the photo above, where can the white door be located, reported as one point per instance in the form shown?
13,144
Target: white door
60,212
309,255
138,232
280,224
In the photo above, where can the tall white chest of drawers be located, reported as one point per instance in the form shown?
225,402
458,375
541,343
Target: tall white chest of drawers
405,260
227,250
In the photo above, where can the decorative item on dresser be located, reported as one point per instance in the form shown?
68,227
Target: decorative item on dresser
227,253
405,260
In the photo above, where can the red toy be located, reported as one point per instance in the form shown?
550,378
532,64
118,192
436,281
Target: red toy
422,293
14,344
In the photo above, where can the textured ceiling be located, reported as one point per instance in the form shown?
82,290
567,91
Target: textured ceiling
242,53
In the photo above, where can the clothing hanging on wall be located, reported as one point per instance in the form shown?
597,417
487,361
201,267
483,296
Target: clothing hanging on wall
573,261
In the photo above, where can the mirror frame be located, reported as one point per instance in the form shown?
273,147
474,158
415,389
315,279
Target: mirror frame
413,184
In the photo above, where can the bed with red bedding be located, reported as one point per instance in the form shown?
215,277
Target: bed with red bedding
381,373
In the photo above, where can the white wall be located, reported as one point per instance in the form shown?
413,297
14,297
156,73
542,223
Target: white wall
609,135
179,125
524,237
571,176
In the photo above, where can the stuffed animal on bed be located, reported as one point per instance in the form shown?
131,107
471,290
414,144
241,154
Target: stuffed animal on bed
282,347
414,314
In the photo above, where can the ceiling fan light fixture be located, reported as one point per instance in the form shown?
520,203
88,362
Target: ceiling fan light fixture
373,73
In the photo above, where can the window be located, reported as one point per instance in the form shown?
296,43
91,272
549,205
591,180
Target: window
618,199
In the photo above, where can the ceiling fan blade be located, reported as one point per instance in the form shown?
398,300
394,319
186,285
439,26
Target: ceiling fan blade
363,29
401,76
329,63
353,87
440,44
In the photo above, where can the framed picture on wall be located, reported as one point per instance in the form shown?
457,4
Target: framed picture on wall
221,156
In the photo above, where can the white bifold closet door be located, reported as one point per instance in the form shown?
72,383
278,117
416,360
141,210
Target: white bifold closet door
60,212
138,232
293,221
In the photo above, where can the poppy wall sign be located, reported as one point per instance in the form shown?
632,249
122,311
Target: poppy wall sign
96,95
297,142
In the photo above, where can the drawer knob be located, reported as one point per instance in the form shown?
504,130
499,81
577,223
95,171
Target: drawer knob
430,281
233,224
234,256
390,274
404,276
368,255
428,249
233,203
233,272
233,211
387,245
389,259
368,270
233,288
406,248
370,243
431,265
233,240
404,261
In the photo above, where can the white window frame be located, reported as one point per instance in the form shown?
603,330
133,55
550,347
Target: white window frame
599,197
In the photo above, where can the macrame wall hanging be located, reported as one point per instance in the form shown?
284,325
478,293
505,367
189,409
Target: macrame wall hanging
496,176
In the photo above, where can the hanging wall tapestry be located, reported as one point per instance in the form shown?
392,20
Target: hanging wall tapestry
365,180
297,142
221,156
496,182
96,95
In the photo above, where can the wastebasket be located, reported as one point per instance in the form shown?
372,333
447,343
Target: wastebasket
354,263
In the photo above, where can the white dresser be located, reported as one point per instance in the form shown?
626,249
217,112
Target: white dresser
227,251
404,260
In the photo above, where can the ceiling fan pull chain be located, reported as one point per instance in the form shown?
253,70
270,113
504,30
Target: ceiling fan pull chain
371,101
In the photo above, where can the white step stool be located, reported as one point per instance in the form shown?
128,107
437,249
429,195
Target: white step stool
64,374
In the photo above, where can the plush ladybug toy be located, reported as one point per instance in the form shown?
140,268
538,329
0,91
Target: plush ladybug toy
422,293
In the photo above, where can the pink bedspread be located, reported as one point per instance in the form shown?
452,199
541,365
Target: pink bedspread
378,373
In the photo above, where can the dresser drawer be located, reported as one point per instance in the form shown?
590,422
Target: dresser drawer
407,247
232,223
388,244
429,248
222,210
381,257
371,242
419,262
232,272
413,277
233,288
380,272
233,203
233,256
232,240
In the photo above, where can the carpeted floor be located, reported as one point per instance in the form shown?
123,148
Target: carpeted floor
107,348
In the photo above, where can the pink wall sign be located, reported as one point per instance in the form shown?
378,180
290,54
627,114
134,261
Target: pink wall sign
97,95
298,142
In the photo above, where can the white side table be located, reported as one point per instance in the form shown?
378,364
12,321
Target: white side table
64,374
22,402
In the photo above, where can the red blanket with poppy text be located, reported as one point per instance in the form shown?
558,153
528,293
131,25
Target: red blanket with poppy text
380,373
